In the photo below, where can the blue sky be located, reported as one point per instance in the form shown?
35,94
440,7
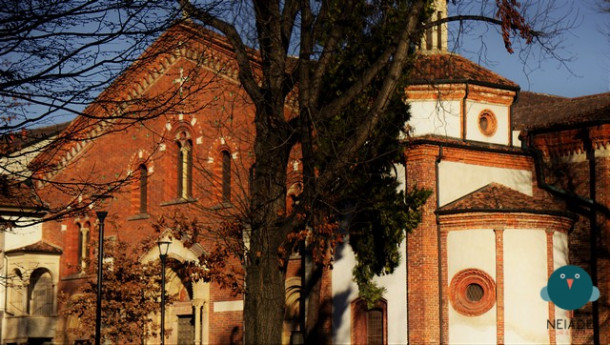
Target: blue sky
587,45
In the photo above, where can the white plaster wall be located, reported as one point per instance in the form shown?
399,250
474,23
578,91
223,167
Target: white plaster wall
471,249
501,136
344,291
458,179
401,175
435,117
525,274
516,141
560,258
16,163
21,237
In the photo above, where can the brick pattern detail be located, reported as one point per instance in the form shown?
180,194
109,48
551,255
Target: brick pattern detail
499,285
422,252
481,220
458,292
444,287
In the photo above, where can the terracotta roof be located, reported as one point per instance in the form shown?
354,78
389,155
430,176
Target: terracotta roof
11,142
530,98
496,197
438,139
436,68
38,247
19,196
543,112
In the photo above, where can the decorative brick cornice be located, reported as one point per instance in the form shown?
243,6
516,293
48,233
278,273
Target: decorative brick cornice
516,220
570,142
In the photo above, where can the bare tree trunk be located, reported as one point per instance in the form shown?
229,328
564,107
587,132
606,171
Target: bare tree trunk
264,307
265,273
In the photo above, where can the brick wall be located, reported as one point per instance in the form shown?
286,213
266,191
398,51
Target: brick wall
570,171
213,124
422,251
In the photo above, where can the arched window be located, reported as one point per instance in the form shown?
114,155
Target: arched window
369,325
185,167
226,176
41,293
143,188
83,241
15,298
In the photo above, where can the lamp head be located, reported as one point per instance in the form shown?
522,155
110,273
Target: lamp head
101,215
163,247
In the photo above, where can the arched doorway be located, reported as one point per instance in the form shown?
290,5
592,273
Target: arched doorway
180,313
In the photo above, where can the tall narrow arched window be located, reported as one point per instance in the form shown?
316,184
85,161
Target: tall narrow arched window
369,325
226,176
374,326
143,188
40,293
185,168
83,240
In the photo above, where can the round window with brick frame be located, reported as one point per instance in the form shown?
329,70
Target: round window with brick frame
472,292
487,123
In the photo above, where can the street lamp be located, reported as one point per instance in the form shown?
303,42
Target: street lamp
163,248
101,216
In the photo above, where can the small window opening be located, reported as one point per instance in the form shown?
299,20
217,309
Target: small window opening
143,188
226,176
474,292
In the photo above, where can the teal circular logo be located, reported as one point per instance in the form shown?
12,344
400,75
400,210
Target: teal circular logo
569,287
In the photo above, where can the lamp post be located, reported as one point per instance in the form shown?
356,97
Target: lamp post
101,215
163,248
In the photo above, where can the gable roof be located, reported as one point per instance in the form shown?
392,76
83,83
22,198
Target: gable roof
11,142
183,40
16,197
452,68
496,197
41,247
536,112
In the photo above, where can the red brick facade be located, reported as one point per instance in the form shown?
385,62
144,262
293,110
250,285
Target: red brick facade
215,116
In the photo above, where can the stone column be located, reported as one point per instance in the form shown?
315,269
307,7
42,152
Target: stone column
198,305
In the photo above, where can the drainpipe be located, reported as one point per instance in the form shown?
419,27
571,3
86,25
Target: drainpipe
594,229
438,241
5,306
589,203
464,111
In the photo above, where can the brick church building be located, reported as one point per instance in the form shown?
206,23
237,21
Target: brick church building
520,186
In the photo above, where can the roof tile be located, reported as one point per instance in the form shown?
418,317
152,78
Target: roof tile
452,67
541,112
38,247
16,194
496,197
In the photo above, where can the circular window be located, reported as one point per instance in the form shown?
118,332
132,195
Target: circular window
487,123
472,292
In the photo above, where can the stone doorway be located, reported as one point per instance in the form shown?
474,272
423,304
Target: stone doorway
186,330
